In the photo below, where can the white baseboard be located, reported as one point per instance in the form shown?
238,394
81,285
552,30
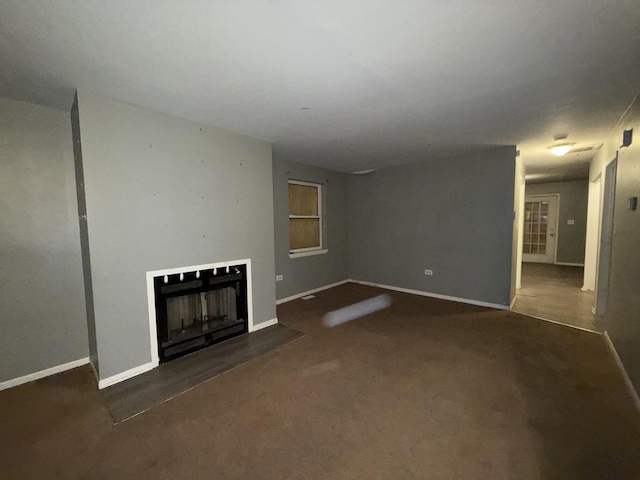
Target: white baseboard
43,373
266,324
623,371
120,377
132,372
513,302
568,264
309,292
434,295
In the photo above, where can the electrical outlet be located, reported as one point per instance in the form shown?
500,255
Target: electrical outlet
428,272
279,278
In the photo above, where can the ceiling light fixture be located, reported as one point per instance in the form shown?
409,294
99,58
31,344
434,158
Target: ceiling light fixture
560,149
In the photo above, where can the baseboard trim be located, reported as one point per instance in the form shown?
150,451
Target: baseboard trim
47,372
632,391
140,369
569,264
513,302
266,324
127,374
433,295
309,292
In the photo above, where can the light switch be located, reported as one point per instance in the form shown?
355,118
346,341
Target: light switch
571,222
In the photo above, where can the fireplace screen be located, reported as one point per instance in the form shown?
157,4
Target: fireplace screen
195,312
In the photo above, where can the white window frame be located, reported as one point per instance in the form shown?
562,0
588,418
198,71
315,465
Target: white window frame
303,252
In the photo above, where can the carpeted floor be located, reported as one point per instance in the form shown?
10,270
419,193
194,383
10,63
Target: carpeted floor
426,389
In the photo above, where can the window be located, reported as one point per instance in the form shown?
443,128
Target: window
305,218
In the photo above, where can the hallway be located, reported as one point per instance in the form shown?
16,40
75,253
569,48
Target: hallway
553,292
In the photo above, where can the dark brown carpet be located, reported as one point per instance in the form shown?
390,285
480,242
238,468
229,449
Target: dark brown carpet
426,389
138,394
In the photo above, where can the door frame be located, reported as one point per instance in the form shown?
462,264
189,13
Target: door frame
555,227
603,266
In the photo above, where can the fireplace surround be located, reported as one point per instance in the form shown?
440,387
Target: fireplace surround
197,306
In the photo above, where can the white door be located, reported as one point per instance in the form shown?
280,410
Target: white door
539,232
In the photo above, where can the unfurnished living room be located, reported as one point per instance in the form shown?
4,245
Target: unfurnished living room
308,240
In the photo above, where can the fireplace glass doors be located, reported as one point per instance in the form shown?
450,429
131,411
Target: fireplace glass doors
200,309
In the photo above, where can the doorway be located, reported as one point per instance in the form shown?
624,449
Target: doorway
606,239
553,247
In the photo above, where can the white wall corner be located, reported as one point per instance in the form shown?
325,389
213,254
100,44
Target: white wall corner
122,376
265,324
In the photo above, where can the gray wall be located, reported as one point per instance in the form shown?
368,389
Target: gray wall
573,206
454,216
624,301
306,273
163,192
41,299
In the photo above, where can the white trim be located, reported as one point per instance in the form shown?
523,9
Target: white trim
309,292
266,324
119,377
569,264
623,371
316,249
14,382
434,295
513,302
151,298
306,184
307,253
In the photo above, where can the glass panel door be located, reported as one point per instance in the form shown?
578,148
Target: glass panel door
540,215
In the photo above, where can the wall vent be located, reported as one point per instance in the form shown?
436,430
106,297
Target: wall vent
588,148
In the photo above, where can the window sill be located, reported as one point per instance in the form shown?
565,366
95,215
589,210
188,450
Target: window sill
308,253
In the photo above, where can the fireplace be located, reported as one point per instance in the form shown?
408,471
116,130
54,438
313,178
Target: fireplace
199,308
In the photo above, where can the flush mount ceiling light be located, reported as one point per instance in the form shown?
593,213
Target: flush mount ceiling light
561,148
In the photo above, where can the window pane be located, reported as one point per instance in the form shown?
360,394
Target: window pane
543,239
304,233
534,249
526,248
303,200
542,249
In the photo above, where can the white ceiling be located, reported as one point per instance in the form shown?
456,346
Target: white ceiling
386,82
